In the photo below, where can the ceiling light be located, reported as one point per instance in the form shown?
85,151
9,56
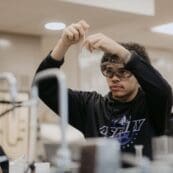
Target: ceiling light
4,43
165,29
54,26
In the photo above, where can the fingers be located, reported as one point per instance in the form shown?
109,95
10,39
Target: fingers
97,45
94,42
84,24
88,46
80,29
76,31
68,34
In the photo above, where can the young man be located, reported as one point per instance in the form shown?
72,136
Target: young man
139,100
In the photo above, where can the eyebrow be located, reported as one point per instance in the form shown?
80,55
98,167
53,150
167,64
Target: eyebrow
112,66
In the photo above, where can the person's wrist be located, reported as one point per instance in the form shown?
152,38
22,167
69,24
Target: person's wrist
63,43
124,54
59,50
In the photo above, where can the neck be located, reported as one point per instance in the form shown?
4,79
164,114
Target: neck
127,98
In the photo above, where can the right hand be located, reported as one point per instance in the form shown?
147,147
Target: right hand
71,35
74,32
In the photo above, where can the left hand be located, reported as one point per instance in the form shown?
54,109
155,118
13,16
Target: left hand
106,44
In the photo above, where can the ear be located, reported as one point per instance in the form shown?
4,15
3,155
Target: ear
139,86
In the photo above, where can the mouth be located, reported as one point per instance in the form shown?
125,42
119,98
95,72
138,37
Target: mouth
116,87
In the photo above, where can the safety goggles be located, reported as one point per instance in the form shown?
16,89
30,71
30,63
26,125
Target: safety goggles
110,69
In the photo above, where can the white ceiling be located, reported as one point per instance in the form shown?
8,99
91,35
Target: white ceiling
133,6
29,16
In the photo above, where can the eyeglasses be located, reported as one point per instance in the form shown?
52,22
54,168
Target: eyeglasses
108,70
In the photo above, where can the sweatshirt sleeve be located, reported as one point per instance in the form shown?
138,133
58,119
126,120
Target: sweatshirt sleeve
48,92
49,62
157,90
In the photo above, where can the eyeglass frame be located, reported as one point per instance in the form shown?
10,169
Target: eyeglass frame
115,72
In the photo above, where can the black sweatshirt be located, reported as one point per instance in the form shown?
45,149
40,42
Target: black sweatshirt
134,122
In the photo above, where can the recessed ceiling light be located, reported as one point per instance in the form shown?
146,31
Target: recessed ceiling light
4,43
165,29
54,26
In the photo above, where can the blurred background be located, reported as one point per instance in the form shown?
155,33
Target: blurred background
24,42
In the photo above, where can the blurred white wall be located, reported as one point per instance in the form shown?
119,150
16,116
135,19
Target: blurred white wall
20,54
162,59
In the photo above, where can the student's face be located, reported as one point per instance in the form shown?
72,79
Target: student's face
122,83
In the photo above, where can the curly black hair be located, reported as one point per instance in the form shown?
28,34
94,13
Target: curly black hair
139,49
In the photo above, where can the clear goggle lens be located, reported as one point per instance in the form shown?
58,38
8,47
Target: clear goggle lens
109,70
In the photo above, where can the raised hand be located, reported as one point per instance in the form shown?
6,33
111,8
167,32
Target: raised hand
74,33
106,44
71,35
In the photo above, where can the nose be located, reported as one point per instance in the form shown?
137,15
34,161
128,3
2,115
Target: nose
115,78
